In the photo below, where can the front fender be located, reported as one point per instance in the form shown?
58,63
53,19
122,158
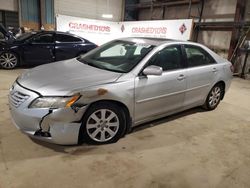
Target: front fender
122,92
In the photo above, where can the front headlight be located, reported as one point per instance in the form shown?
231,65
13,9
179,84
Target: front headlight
54,102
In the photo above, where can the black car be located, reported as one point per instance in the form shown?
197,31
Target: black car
41,47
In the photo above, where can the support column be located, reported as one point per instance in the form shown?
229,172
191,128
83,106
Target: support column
239,16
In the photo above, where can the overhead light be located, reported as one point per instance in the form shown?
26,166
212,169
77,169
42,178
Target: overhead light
107,16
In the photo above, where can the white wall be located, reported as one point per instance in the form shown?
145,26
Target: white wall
10,5
92,9
218,41
215,8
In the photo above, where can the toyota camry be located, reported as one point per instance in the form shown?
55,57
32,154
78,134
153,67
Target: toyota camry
99,96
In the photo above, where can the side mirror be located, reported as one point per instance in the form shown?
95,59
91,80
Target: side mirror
153,70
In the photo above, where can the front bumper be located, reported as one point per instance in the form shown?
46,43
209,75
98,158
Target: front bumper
63,125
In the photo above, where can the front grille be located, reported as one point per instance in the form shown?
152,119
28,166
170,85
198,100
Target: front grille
17,98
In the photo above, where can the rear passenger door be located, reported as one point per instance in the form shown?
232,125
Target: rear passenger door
201,71
67,46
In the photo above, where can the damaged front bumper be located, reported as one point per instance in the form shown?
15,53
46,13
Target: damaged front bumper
59,126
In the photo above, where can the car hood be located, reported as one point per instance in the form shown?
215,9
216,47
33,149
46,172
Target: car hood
6,33
8,43
65,77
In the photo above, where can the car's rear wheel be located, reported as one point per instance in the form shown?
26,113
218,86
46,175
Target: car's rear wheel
103,123
214,97
8,60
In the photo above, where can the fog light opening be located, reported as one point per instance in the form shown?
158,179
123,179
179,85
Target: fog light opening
40,132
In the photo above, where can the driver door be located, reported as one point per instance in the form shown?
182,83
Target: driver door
156,95
40,49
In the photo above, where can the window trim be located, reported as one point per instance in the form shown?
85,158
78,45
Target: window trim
184,46
183,63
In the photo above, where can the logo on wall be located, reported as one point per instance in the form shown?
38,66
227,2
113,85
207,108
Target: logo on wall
183,28
89,27
122,28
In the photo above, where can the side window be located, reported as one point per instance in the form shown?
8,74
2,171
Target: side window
44,38
66,38
197,56
169,58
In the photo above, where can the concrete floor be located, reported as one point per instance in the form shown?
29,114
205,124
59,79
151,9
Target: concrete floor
192,149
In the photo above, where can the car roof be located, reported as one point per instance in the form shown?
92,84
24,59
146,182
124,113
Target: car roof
58,32
150,41
155,41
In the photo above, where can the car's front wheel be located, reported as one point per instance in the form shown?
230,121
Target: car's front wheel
8,60
103,123
214,97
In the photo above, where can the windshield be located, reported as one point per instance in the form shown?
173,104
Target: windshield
117,56
24,36
2,36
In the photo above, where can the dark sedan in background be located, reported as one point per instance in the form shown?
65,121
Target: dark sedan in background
42,47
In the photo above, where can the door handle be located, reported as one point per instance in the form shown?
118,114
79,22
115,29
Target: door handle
181,77
214,70
52,53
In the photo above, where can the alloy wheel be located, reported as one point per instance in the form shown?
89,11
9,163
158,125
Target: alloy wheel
102,125
8,60
215,96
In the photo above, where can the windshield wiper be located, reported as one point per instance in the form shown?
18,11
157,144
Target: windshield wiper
88,63
99,67
93,65
114,70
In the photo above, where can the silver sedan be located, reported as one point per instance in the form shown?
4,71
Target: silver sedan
100,96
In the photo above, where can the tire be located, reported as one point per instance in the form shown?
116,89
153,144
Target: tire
9,60
214,97
103,123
